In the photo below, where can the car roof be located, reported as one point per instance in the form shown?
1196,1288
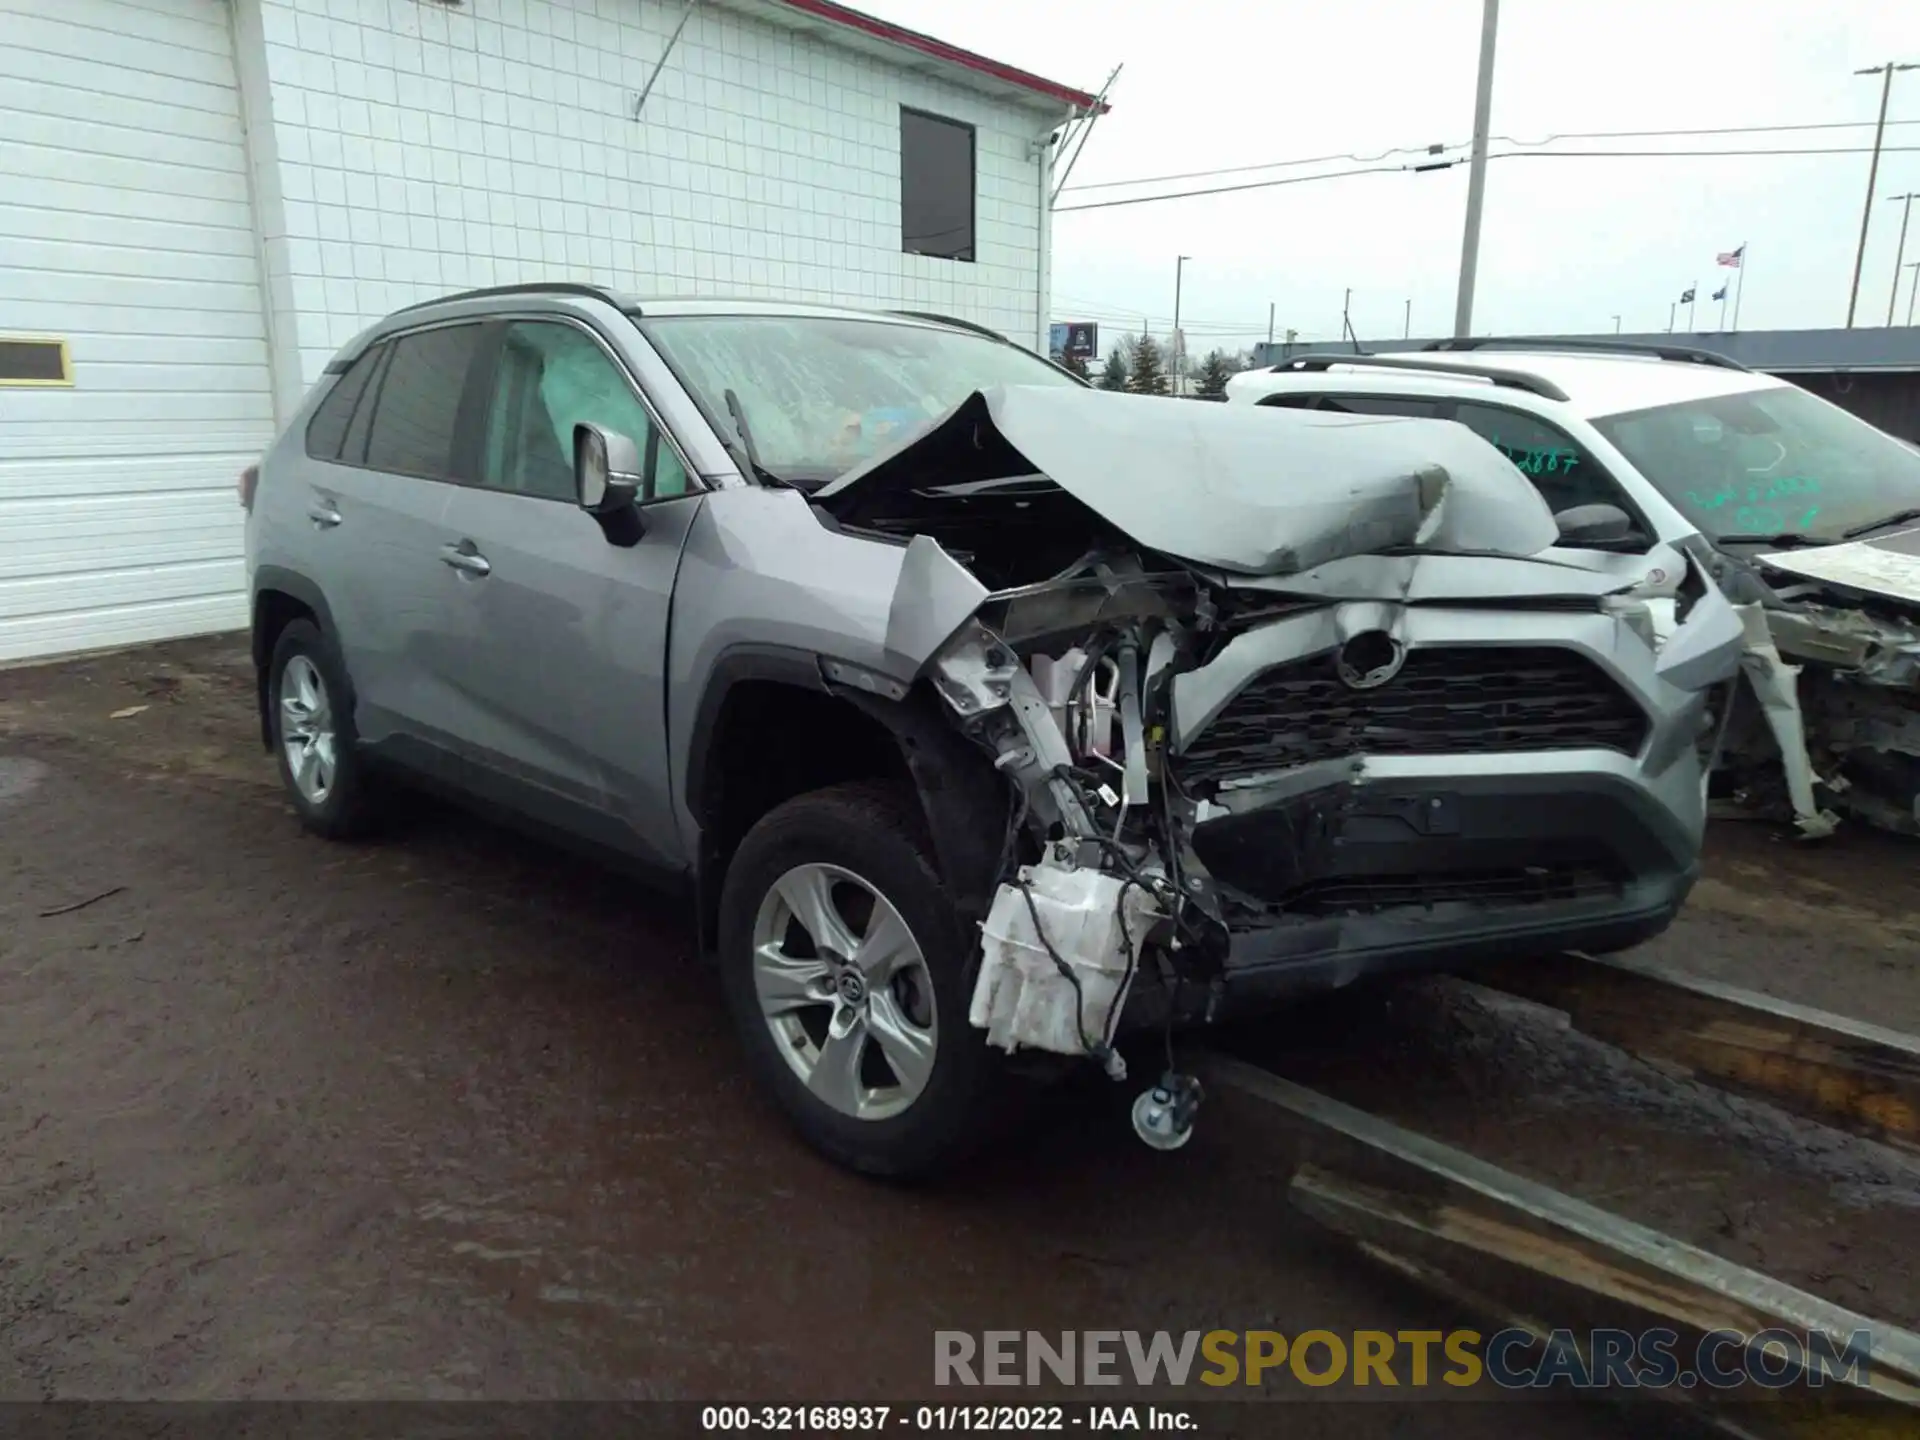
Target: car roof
1588,384
659,306
477,304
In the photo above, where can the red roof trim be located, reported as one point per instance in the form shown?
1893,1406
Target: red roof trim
940,50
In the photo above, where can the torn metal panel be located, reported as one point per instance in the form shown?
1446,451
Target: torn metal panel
1704,650
1248,491
1888,565
934,596
1774,685
1436,1208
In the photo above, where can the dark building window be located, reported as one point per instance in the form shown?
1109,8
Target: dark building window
936,186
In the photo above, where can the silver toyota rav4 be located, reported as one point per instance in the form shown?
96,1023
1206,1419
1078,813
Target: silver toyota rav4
985,715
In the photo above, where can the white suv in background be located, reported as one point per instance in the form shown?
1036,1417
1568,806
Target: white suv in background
1807,517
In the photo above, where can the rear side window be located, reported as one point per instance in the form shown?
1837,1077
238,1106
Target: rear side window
1557,464
327,431
415,419
1381,405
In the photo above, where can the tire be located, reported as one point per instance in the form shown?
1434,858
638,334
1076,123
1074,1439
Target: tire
304,666
842,842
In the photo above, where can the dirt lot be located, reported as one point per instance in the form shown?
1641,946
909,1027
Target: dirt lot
450,1115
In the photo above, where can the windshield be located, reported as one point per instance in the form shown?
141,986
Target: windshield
823,394
1769,463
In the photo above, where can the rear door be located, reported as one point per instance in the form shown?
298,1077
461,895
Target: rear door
390,467
554,654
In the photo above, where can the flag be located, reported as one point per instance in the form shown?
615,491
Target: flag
1721,293
1686,297
1731,258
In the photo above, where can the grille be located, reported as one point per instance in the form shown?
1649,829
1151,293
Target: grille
1445,701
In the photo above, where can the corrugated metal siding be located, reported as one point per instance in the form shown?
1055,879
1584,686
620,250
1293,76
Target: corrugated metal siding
126,228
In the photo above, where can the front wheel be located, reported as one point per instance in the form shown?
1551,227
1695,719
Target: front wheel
848,972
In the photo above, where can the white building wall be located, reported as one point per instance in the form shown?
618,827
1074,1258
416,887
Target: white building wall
416,149
126,232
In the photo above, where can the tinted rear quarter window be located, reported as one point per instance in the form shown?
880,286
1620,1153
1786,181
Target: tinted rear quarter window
327,431
414,423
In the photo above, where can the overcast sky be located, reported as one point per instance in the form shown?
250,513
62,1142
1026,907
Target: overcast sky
1568,243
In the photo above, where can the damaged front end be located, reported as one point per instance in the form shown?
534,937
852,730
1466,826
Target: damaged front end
1833,665
1278,706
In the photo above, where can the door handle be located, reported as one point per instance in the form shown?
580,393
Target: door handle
322,513
465,558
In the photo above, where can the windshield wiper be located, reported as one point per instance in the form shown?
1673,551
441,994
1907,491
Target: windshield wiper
748,451
1899,517
1792,541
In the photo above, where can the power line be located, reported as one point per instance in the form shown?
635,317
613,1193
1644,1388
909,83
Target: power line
1503,139
1503,155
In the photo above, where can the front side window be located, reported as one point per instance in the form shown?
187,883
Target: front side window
823,394
1560,468
1764,464
550,378
936,186
417,410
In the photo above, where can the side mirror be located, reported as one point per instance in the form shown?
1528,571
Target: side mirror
608,475
1594,525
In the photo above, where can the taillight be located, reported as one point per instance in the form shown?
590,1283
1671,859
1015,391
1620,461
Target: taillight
249,481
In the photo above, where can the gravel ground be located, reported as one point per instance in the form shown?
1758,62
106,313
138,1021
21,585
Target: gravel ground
450,1115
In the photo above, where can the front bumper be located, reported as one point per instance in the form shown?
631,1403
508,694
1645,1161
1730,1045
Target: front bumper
1416,872
1371,863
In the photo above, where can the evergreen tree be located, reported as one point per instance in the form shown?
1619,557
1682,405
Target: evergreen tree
1118,373
1214,374
1149,370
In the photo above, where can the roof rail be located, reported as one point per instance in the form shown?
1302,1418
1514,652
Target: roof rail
1505,379
537,287
1688,353
953,320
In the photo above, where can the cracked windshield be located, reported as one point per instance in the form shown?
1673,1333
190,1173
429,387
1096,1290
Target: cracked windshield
1770,463
823,395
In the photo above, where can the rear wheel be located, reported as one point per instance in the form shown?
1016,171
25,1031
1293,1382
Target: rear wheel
849,974
323,772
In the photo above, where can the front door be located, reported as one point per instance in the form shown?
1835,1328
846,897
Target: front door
554,653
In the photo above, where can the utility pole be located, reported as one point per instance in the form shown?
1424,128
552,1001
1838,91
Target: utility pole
1270,322
1476,173
1179,269
1346,325
1407,332
1616,324
1887,72
1912,285
1900,255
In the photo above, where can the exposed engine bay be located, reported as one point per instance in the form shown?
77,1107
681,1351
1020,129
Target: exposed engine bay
1247,741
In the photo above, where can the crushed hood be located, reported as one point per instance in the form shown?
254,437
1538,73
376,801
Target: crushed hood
1886,567
1246,489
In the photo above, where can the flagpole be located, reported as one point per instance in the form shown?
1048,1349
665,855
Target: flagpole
1739,286
1723,309
1694,292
